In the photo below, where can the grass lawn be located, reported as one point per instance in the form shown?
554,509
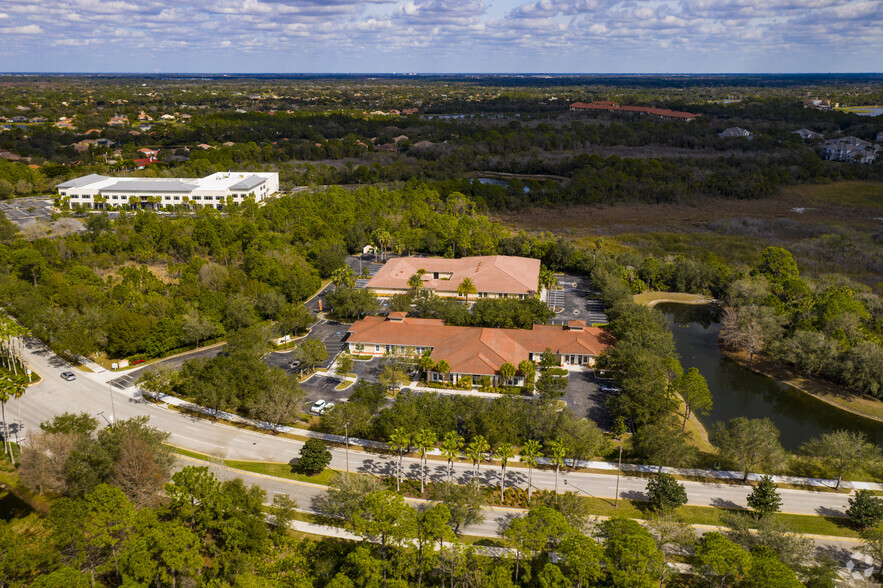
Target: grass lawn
276,470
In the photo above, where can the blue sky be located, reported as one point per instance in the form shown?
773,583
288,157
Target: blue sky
427,36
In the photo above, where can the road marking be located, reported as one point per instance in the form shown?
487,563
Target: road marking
198,441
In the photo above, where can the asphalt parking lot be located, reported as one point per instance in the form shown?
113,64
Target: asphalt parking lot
584,397
576,300
27,211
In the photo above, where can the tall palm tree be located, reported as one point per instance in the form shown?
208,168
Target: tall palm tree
557,451
547,279
475,451
424,440
530,451
466,287
504,453
450,448
399,440
415,282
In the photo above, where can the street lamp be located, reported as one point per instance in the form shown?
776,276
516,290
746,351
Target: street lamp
113,407
109,422
346,432
618,470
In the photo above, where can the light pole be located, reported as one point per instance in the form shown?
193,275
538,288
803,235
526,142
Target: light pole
113,407
618,470
346,432
109,422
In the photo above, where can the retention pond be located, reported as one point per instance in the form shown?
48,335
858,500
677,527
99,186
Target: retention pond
737,391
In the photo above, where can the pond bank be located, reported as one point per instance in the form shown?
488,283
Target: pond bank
821,390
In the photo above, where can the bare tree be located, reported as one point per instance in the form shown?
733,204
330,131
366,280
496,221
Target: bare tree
137,474
43,460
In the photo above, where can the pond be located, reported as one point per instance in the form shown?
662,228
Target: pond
737,391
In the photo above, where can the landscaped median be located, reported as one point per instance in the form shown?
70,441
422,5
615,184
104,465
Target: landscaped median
702,517
819,484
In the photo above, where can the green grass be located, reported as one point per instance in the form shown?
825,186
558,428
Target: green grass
276,470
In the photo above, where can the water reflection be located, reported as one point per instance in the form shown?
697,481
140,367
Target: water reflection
738,391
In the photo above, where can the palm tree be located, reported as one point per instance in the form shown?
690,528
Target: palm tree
415,282
382,237
475,451
557,451
547,279
399,440
504,453
8,391
530,451
344,276
424,440
443,368
466,287
507,372
450,448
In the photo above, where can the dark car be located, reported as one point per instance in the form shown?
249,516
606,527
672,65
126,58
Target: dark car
68,376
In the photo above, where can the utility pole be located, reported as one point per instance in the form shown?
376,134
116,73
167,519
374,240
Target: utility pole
618,470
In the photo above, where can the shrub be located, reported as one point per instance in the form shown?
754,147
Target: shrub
665,493
865,510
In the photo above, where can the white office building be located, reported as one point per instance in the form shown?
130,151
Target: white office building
97,191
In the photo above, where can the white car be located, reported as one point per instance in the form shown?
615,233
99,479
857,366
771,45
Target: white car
326,408
318,407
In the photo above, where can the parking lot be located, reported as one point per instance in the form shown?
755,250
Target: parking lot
27,211
584,397
576,300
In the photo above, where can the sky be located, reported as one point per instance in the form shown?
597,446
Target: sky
442,36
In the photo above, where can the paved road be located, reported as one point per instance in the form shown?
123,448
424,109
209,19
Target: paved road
54,396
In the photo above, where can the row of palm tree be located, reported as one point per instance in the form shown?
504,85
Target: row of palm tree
454,445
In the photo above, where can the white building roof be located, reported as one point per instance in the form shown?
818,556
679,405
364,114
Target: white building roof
217,182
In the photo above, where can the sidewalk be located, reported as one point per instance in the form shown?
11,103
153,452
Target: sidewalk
710,475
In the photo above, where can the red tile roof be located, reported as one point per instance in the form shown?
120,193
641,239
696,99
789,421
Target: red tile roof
614,107
475,350
491,273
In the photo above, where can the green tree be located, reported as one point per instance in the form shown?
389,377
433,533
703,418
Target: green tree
582,559
872,544
528,369
386,518
450,450
551,386
767,569
665,493
443,368
542,528
663,444
314,457
764,497
311,352
777,263
465,288
344,364
547,279
415,282
432,527
475,451
556,452
464,502
399,441
721,561
549,359
424,441
749,444
160,552
842,452
865,509
504,452
507,372
344,277
279,402
530,452
694,390
632,557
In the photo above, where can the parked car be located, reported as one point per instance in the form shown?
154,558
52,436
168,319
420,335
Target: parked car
610,390
318,407
69,376
326,408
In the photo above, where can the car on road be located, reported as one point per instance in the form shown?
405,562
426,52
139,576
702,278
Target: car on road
69,376
318,407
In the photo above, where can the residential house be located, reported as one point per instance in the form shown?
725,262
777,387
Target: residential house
143,116
494,276
474,352
118,121
852,150
148,152
808,135
735,132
